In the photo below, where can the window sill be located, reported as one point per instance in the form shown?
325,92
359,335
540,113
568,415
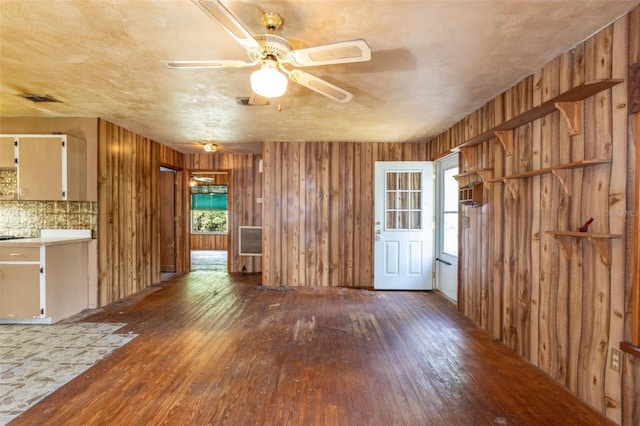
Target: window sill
209,233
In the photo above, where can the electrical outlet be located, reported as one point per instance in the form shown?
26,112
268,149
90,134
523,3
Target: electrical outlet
615,360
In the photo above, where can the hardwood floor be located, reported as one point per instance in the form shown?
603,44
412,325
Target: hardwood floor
220,349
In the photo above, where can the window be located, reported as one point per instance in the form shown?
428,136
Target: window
208,221
209,206
450,212
403,209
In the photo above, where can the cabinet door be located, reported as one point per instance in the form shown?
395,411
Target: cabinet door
40,168
19,291
75,169
6,152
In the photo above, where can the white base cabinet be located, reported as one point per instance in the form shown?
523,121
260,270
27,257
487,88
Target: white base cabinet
42,283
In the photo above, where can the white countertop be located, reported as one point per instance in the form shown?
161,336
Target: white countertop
51,237
37,242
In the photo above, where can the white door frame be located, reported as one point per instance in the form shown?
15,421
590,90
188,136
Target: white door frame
446,263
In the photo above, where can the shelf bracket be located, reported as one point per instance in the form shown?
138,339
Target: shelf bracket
603,247
565,245
485,177
564,176
512,188
572,113
505,137
469,156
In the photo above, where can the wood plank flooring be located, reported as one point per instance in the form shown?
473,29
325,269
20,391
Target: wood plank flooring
220,349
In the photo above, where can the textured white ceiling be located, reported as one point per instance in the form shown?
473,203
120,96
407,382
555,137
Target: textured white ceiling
433,62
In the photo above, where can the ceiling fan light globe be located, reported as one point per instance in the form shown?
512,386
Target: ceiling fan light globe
268,82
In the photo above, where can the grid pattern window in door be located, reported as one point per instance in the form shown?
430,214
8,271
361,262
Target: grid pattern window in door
403,195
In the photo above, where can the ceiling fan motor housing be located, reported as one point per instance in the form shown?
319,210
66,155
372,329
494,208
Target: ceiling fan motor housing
272,45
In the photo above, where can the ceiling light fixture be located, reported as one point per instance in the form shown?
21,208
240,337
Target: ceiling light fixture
268,82
209,147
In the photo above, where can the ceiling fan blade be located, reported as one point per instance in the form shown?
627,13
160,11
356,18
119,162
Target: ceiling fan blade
207,64
217,11
321,86
335,53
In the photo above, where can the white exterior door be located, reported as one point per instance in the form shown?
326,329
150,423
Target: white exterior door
403,228
447,206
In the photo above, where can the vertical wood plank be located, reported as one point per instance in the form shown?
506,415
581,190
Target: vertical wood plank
268,241
536,293
617,222
349,216
302,214
283,220
596,276
335,219
522,299
311,201
293,215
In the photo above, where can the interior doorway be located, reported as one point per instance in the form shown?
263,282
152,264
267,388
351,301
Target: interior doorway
167,215
209,260
209,213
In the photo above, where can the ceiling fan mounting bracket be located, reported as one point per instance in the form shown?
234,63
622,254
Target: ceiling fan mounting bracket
271,21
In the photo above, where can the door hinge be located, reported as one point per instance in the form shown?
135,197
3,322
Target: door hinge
42,270
64,194
63,144
41,311
15,143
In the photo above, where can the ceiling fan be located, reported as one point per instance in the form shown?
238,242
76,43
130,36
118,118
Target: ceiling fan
271,52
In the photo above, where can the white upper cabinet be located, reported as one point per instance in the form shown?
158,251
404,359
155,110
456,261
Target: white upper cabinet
51,167
7,160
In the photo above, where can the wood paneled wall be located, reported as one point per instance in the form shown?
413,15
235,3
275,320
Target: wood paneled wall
245,189
171,158
128,227
209,241
318,211
564,313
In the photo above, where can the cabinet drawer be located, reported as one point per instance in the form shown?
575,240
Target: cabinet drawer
19,254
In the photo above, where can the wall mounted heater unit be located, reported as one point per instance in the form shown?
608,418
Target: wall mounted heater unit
251,241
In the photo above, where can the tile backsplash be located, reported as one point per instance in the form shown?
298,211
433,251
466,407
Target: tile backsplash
27,218
8,182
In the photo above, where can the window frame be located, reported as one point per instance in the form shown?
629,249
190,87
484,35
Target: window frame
197,172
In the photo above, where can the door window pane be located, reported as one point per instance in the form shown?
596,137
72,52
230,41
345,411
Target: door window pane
450,233
403,209
451,189
449,199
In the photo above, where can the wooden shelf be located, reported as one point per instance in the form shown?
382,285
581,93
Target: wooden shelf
557,171
568,103
465,174
602,243
579,234
486,175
